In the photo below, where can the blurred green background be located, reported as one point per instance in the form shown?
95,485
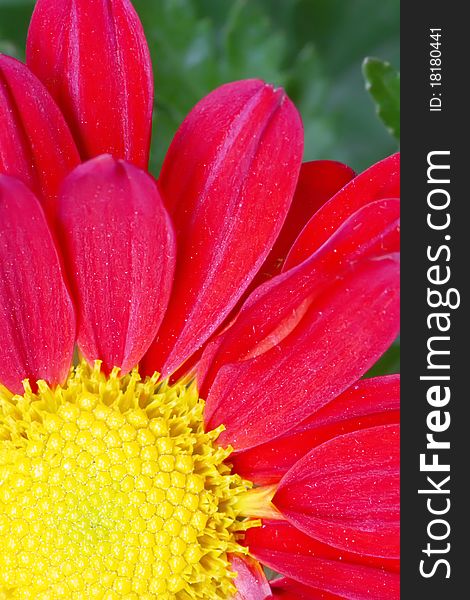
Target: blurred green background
314,48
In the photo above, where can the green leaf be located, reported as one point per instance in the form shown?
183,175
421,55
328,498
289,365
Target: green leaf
15,3
383,84
389,363
307,86
7,47
14,18
270,574
250,46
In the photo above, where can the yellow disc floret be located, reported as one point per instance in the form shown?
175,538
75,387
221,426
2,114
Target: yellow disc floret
111,488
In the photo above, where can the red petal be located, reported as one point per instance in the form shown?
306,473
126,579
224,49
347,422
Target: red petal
228,181
382,180
318,181
36,314
307,335
251,581
36,145
120,252
345,492
369,403
283,537
93,57
288,589
306,560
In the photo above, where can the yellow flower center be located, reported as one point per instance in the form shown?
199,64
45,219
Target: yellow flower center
111,488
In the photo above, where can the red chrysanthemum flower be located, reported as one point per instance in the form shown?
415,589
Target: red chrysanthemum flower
232,279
